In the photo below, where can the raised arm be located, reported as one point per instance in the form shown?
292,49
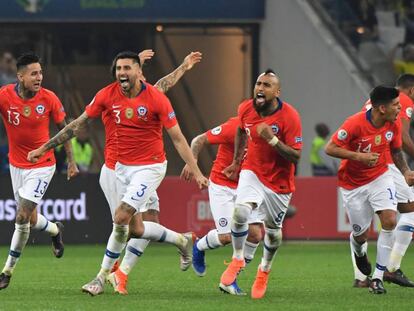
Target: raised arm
185,153
167,82
72,167
64,135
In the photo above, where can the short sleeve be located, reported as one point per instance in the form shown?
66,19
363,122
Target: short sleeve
293,131
344,134
223,133
58,112
96,106
396,141
166,112
406,108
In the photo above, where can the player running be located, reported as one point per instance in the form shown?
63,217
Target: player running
26,109
366,185
273,130
140,112
222,195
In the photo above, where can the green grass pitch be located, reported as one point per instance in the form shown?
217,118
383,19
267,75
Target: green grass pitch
305,276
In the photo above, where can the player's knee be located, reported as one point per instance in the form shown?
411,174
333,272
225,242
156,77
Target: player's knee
241,213
389,223
123,214
23,217
151,215
274,237
255,233
225,238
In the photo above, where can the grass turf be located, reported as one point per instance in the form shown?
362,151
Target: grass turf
305,276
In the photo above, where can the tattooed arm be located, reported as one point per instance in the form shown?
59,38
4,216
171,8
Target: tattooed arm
72,167
401,164
197,144
64,135
167,82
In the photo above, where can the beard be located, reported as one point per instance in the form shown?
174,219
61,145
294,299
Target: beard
262,108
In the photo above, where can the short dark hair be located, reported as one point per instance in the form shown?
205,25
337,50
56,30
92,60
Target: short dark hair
270,71
26,59
123,55
322,130
405,81
383,95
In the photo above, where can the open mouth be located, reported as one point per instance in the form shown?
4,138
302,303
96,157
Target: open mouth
260,98
124,82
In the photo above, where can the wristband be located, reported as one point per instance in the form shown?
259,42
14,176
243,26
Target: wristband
274,141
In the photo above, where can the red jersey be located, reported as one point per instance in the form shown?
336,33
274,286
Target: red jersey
359,134
27,124
223,136
274,171
138,121
407,107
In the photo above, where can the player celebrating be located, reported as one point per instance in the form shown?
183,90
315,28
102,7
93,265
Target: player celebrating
140,111
273,130
222,195
26,109
365,183
135,247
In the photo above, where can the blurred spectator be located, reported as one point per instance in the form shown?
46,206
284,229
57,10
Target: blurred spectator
4,159
365,12
322,164
7,69
82,150
406,63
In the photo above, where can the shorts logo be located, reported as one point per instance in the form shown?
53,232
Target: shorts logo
275,128
223,222
142,111
377,139
409,111
342,134
40,109
216,130
356,228
171,115
27,111
129,113
389,135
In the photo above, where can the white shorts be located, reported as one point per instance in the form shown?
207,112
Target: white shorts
273,205
31,184
222,201
404,193
361,203
137,185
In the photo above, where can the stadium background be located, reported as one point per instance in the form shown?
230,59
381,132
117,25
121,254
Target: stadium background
326,74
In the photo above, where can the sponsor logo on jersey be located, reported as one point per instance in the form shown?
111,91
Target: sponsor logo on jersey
171,115
342,134
40,109
129,113
27,111
377,139
409,111
275,128
142,111
389,135
216,130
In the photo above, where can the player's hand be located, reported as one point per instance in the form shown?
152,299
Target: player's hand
191,59
369,158
72,169
409,177
186,173
145,55
232,171
34,155
201,181
265,131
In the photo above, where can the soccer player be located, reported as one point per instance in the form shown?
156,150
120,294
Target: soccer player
222,195
366,185
135,247
273,130
140,112
26,109
404,194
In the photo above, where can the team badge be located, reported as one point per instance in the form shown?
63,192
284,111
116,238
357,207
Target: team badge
27,111
409,111
171,115
216,130
389,135
356,227
377,139
342,134
129,113
223,222
142,111
275,128
40,109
